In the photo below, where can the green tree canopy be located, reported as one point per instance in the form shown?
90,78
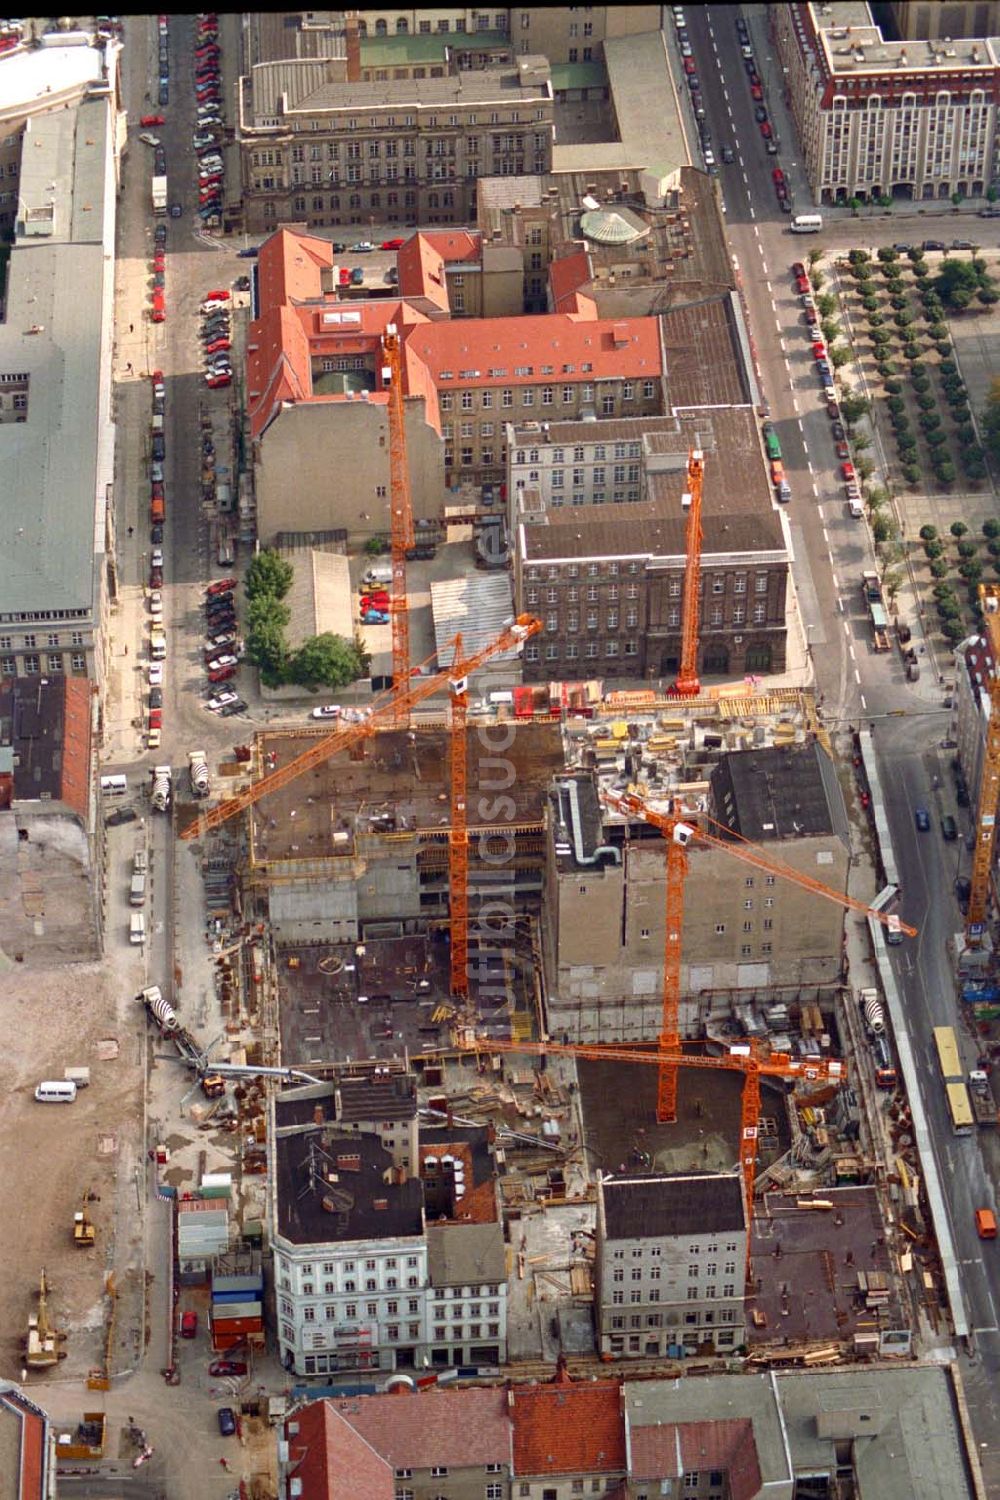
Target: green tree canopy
268,573
326,661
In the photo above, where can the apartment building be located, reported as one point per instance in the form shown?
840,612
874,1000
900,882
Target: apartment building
909,119
389,1252
598,534
604,910
671,1264
317,400
916,20
885,1433
324,151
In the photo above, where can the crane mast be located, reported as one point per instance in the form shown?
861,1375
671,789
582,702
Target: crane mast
989,784
688,684
679,827
458,837
400,506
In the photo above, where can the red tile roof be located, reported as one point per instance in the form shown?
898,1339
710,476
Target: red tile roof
421,272
568,1429
290,266
553,346
670,1449
77,741
332,1460
455,244
23,1427
566,276
416,1430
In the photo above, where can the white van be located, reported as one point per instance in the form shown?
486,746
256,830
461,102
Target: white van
56,1091
114,786
137,927
379,573
855,506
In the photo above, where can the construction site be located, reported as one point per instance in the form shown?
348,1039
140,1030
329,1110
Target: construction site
609,933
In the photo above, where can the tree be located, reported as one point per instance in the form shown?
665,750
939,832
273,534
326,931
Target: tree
992,193
861,442
911,473
826,304
928,533
960,298
920,382
375,546
268,573
830,329
915,255
936,439
939,568
267,618
864,466
956,277
891,584
853,407
991,528
944,470
839,356
893,387
816,254
871,307
962,413
953,630
896,404
966,550
926,401
957,198
326,661
881,528
912,351
881,337
887,255
974,468
987,295
884,200
947,367
854,204
933,549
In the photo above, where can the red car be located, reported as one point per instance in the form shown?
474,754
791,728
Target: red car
847,472
221,586
222,674
842,450
396,244
777,175
217,382
819,350
689,65
756,91
152,120
219,347
156,490
379,600
211,296
156,722
765,129
344,276
812,316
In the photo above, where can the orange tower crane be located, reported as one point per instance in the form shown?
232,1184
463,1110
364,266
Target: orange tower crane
679,827
400,506
458,837
384,711
989,785
779,1065
687,684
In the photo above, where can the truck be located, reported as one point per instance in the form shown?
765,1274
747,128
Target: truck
983,1103
871,588
198,772
159,196
160,794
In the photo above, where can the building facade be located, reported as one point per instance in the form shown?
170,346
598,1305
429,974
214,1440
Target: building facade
671,1263
604,912
388,152
906,120
467,1311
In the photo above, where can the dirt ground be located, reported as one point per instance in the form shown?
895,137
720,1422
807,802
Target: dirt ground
51,1154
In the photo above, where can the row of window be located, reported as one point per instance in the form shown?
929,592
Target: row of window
546,395
571,651
694,1294
655,1251
599,453
30,642
31,664
484,22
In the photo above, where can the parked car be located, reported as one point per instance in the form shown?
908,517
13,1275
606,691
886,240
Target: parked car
393,244
227,1367
218,346
221,586
922,819
189,1325
802,286
221,674
843,451
156,532
222,661
756,92
236,707
156,578
357,276
156,697
760,114
120,815
221,700
949,828
160,234
249,253
374,617
363,247
218,382
155,674
151,120
726,153
327,711
847,472
175,210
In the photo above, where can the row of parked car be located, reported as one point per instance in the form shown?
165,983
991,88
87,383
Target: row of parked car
208,134
222,650
163,32
216,338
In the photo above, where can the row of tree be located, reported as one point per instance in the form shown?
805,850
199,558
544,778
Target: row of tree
325,660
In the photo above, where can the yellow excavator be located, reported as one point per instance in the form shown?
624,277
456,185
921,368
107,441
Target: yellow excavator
42,1343
84,1233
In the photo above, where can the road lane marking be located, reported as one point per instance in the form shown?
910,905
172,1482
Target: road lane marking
847,630
864,705
857,674
836,585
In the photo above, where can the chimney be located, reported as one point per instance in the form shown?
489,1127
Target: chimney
353,48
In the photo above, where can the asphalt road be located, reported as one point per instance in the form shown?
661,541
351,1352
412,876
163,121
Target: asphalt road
831,550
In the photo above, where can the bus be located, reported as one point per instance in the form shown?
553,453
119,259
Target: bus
959,1108
948,1059
806,224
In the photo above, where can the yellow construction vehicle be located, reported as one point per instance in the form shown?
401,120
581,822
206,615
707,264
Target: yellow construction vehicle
42,1343
84,1233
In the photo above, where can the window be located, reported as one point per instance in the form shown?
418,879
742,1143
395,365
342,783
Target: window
31,665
